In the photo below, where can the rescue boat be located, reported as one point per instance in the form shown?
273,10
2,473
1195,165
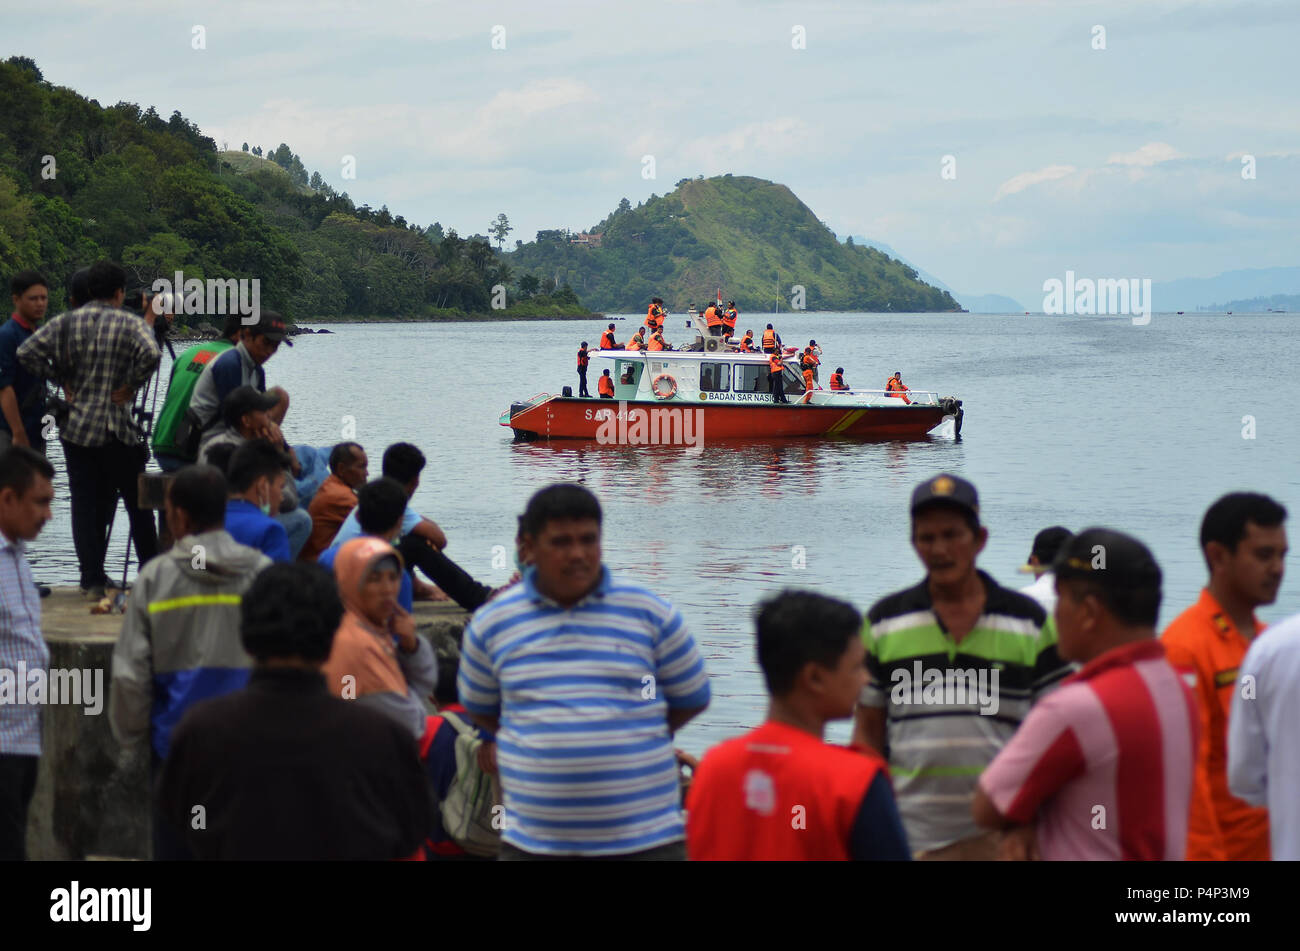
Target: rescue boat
714,389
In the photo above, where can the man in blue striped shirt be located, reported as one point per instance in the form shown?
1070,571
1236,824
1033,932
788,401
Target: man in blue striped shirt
583,678
25,496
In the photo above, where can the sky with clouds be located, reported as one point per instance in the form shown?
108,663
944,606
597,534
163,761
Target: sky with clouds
1118,162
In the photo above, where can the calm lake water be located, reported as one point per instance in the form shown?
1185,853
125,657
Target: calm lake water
1077,421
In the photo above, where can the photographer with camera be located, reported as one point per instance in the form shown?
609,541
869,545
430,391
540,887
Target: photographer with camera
100,354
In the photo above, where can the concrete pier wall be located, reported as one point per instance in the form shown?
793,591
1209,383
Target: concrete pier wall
92,798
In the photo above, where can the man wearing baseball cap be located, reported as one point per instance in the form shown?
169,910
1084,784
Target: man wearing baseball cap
955,663
1047,544
1103,768
241,366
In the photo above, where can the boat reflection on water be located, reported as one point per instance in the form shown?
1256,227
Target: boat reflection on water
732,472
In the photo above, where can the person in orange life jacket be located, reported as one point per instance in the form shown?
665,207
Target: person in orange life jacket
895,385
657,341
583,360
605,385
638,340
747,343
746,789
607,341
774,382
654,316
729,317
837,379
814,353
769,340
713,318
808,385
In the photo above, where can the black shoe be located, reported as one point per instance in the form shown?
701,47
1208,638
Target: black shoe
43,590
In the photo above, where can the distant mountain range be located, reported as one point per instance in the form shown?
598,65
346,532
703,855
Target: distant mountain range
1240,289
1246,290
975,303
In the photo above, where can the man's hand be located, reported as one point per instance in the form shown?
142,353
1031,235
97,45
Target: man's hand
1019,845
20,438
487,757
123,394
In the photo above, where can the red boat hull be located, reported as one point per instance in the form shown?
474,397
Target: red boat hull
577,418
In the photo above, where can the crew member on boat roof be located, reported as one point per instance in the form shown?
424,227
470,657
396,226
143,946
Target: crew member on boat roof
607,339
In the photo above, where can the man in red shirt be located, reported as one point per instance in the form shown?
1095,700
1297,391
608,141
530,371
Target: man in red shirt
1244,544
779,792
1102,768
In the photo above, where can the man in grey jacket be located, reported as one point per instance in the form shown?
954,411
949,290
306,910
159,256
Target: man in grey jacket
180,637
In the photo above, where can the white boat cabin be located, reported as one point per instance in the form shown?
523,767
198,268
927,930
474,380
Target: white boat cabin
725,376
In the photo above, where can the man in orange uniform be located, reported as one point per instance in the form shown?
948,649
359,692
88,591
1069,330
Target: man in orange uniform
729,317
605,386
654,315
747,344
657,341
638,340
607,339
895,385
774,382
1244,544
808,384
713,318
837,379
769,340
780,792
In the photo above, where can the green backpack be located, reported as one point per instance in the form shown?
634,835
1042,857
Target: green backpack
472,813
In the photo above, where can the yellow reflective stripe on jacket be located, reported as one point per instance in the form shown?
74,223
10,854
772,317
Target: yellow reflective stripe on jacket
193,601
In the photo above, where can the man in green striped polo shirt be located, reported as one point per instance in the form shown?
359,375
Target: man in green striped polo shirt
955,664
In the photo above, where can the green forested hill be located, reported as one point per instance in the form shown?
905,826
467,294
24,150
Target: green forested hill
79,182
752,238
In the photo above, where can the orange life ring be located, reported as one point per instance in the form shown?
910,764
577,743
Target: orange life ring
672,384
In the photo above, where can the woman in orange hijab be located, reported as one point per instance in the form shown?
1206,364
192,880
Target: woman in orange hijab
377,657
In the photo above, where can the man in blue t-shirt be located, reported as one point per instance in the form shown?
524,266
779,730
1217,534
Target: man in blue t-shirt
255,477
380,504
420,540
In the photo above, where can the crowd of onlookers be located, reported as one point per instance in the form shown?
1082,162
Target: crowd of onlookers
270,665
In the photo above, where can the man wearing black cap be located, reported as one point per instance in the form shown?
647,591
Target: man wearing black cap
241,366
1047,544
1103,768
955,663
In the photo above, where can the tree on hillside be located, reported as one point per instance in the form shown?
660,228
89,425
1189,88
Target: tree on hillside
245,148
257,150
282,156
528,285
623,206
500,228
29,64
316,181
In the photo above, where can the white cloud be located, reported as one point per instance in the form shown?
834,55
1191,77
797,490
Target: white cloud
1153,153
1019,183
